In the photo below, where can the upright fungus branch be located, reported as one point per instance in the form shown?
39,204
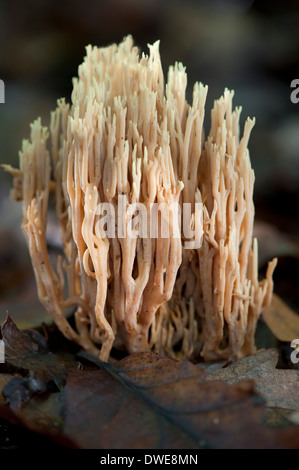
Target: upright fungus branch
125,141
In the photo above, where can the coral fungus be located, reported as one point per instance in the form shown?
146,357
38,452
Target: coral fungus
128,137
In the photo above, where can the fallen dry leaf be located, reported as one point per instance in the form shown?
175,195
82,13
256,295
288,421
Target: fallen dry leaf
28,351
157,401
279,387
142,401
122,420
281,320
32,368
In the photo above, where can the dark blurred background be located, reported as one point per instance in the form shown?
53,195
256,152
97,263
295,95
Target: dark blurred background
246,45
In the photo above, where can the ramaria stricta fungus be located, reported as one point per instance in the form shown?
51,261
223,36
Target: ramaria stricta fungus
124,139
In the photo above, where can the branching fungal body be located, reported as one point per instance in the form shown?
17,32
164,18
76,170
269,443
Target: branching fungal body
128,137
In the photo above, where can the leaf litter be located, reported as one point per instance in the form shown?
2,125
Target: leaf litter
145,401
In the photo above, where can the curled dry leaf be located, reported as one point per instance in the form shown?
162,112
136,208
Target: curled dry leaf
29,379
281,320
28,351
